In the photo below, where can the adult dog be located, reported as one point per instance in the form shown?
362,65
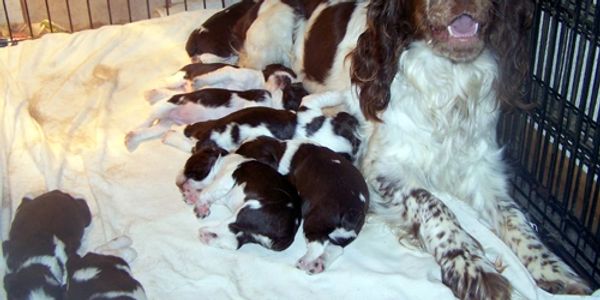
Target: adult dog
430,78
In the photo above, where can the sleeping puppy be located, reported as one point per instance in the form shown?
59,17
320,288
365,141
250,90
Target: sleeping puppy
209,104
339,133
266,206
97,276
46,230
197,76
269,33
218,39
334,194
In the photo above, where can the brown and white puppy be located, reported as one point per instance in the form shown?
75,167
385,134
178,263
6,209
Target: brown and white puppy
334,194
97,276
214,103
193,77
269,33
218,40
265,206
44,233
338,133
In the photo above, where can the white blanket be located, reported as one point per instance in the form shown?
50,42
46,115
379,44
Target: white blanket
66,103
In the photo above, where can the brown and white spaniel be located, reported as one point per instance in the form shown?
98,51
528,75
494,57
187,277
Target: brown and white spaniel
429,79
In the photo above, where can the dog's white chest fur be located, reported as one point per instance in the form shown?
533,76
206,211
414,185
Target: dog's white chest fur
439,131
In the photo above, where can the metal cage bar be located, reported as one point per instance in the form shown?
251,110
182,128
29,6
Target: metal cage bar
554,148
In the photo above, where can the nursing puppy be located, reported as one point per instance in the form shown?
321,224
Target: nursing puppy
266,206
97,276
219,38
208,104
334,195
197,76
338,133
45,232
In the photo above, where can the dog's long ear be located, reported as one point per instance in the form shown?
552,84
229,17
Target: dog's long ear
510,40
390,28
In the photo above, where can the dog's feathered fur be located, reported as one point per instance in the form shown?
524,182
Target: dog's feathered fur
431,77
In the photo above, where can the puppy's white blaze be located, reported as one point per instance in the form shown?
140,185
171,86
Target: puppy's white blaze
123,268
251,132
362,197
342,233
86,274
290,205
263,240
51,262
209,58
39,294
253,204
336,161
286,158
137,294
51,280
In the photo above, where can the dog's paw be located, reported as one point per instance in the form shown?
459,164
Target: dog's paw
470,278
207,237
564,287
315,266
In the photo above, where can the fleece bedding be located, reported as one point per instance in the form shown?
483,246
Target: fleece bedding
66,103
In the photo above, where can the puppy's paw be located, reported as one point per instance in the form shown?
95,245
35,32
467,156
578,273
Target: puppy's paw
207,237
155,95
202,210
311,266
131,141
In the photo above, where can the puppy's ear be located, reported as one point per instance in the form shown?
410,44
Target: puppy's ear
5,247
85,211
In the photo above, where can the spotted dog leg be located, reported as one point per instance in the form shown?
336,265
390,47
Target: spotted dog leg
549,271
463,264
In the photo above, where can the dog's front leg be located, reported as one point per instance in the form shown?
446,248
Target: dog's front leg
464,266
548,270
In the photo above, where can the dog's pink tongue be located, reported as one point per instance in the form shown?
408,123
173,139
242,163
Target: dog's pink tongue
463,26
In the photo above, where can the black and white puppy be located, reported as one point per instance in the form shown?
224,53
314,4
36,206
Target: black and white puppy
339,133
265,206
97,276
44,233
334,194
220,36
197,76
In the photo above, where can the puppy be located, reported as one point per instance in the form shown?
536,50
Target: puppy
334,194
196,76
266,206
339,133
46,230
97,276
210,103
218,39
